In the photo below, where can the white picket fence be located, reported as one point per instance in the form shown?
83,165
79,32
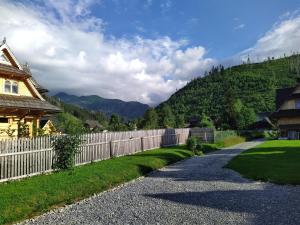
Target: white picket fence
27,157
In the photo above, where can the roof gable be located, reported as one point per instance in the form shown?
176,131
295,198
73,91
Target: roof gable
8,57
4,59
285,94
282,95
11,62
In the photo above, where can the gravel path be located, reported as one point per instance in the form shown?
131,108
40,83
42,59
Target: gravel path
194,191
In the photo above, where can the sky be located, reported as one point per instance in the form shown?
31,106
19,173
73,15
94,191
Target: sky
143,50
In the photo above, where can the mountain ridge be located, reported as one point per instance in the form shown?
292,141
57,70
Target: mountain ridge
127,110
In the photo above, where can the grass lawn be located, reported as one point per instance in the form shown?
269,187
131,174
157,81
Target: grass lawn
275,161
26,198
227,142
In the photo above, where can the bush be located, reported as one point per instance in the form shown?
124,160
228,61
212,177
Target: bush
271,134
206,148
250,135
192,143
254,134
65,148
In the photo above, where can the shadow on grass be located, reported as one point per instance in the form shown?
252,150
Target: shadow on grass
178,155
144,170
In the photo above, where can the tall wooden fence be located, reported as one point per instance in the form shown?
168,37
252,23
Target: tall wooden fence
26,157
204,134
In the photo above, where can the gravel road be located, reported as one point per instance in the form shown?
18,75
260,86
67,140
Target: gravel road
194,191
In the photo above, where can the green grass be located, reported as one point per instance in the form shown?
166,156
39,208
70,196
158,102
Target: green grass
226,142
230,141
275,161
27,198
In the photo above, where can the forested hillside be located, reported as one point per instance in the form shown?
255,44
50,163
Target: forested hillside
249,87
72,119
127,110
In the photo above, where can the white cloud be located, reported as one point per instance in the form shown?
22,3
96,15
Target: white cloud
283,38
239,27
68,51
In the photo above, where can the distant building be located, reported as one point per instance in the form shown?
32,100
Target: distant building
21,101
262,122
93,125
287,112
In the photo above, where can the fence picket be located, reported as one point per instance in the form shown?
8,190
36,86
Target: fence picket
26,157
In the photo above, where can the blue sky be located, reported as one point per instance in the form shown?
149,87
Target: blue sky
224,27
143,50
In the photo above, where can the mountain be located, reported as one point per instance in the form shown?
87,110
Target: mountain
253,84
129,110
72,117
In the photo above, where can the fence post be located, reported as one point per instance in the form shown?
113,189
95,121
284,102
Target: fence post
142,144
110,149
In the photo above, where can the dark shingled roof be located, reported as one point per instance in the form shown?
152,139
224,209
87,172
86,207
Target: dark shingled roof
93,124
286,113
260,125
26,102
282,95
10,70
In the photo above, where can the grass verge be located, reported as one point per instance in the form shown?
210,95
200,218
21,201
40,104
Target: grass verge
226,142
273,161
27,198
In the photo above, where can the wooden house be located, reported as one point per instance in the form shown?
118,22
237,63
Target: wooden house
21,101
93,125
287,112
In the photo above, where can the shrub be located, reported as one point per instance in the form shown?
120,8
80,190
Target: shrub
252,134
209,147
65,148
192,143
271,134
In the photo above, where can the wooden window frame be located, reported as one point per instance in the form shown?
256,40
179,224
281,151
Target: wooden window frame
5,86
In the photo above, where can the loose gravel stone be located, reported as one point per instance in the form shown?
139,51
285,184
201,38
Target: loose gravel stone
194,191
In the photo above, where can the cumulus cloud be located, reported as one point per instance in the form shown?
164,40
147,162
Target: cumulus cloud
68,50
283,38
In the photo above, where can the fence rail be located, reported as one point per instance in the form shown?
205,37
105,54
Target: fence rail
26,157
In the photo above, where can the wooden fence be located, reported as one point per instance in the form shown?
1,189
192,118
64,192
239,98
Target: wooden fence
209,135
204,134
26,157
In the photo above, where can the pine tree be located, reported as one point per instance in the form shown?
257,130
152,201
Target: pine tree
115,123
167,117
150,119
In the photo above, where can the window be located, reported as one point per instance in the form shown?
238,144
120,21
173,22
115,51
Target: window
3,120
15,87
11,87
297,104
7,86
